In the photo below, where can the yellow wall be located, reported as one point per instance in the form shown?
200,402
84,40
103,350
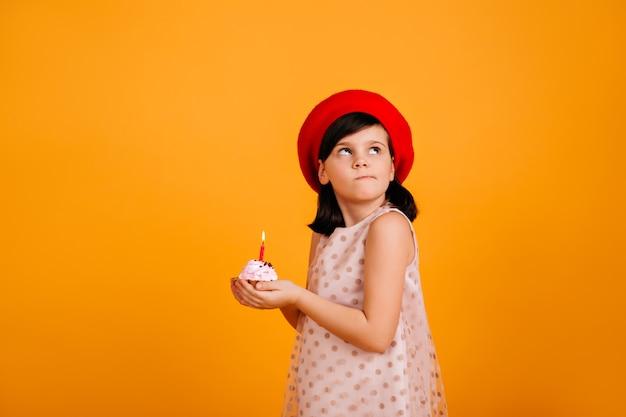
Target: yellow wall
145,145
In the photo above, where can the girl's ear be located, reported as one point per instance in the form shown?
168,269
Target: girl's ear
321,173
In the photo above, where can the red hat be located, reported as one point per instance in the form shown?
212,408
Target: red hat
340,104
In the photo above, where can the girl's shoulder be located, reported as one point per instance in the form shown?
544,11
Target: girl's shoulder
392,214
392,231
391,220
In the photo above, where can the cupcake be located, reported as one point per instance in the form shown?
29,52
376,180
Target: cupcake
256,271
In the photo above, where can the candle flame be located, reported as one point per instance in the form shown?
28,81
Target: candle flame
263,237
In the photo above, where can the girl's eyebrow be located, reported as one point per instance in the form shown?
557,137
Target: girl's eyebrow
343,142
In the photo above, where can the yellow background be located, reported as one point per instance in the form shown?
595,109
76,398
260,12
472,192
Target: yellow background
146,145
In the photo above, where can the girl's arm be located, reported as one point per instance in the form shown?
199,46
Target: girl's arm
291,312
389,249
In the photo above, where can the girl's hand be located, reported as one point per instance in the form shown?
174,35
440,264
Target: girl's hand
266,295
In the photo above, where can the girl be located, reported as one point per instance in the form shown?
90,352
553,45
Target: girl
363,346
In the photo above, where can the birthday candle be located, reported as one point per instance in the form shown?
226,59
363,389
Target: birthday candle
262,251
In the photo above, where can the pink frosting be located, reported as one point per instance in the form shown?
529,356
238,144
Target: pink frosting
258,271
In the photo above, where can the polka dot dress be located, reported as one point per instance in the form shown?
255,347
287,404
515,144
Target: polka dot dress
330,377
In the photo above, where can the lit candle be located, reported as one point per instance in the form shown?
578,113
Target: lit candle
262,246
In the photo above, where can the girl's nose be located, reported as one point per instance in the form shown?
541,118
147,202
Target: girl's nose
360,162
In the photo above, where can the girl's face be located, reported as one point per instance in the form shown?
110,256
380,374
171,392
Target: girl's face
360,166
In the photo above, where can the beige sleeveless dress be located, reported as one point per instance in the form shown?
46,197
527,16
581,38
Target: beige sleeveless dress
330,377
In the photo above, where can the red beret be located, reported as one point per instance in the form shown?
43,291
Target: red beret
340,104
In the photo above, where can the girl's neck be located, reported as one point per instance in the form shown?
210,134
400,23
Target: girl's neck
354,212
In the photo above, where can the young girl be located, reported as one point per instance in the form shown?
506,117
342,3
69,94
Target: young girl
363,346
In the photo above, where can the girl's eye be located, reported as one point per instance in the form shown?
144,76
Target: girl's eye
344,151
375,150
